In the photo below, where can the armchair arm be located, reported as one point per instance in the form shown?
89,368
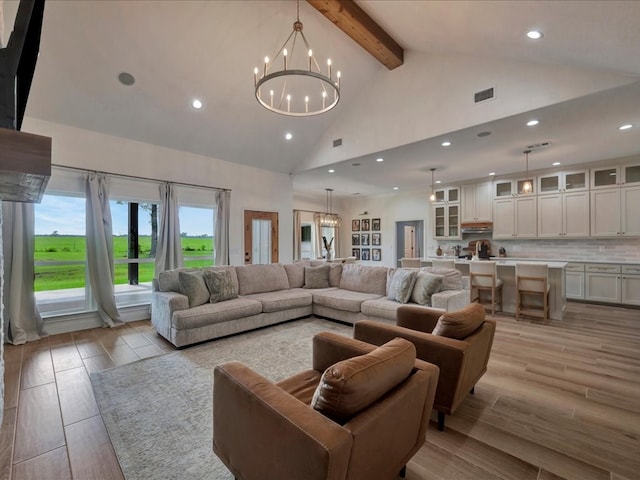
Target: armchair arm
418,318
163,304
260,431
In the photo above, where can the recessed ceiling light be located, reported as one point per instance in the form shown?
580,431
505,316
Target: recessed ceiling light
535,34
532,123
446,144
492,174
379,159
331,170
625,127
396,188
125,78
197,104
288,136
438,181
555,164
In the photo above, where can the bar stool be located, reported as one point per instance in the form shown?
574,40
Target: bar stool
443,263
483,277
410,262
532,279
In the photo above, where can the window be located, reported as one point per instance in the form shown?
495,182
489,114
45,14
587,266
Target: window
196,235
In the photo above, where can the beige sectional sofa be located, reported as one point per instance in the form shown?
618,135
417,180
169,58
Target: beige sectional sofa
261,295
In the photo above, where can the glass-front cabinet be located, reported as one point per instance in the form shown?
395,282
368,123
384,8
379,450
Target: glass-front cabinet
615,175
513,188
563,182
447,195
446,220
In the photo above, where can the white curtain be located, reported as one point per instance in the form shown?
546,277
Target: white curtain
318,246
22,320
223,198
297,234
169,251
336,242
100,257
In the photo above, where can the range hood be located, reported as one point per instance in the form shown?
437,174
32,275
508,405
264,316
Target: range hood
476,227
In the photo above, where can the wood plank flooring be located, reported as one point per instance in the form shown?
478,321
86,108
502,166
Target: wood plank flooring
559,401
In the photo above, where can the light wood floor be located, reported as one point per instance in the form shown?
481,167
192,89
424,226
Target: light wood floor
560,400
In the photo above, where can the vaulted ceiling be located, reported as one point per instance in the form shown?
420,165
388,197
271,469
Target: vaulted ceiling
580,81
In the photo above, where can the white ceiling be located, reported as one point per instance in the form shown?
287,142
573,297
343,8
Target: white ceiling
178,50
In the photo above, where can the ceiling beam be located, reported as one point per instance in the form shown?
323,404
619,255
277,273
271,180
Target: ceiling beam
353,21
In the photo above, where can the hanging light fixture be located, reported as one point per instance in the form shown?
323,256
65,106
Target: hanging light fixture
432,197
527,187
299,88
329,219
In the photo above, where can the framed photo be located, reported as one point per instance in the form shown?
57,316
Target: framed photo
364,239
375,224
355,252
355,225
376,254
365,254
355,239
376,239
365,225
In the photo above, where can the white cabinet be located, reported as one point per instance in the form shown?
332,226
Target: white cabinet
612,212
563,182
630,217
447,195
574,281
615,175
512,188
563,215
515,217
476,203
446,220
603,283
630,285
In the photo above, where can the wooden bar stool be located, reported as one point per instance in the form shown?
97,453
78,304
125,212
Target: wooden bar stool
443,263
406,262
532,279
483,277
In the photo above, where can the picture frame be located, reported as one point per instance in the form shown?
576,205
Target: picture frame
375,224
365,239
365,225
376,239
355,239
376,254
355,225
355,252
365,254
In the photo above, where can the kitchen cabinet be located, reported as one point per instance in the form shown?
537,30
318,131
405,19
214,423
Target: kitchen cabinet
476,203
563,182
630,285
512,188
515,217
563,215
612,212
574,281
446,219
447,195
603,283
615,175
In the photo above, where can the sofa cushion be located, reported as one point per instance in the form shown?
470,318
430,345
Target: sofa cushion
193,286
212,313
345,300
261,278
402,284
225,268
295,273
351,385
451,278
316,277
390,272
381,308
426,285
365,279
220,285
168,280
282,299
461,323
335,274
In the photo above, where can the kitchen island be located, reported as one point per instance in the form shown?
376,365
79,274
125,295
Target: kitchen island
507,272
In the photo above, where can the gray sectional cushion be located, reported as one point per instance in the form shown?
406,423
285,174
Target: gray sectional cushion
381,307
335,274
261,278
225,268
168,280
365,279
282,300
451,278
426,285
295,273
211,313
402,284
316,277
220,285
192,285
342,299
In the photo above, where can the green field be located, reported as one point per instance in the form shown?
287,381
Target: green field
69,248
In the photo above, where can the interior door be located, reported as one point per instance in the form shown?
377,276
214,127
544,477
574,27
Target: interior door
260,237
409,239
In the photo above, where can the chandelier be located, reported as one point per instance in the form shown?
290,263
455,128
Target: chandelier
329,219
432,197
299,88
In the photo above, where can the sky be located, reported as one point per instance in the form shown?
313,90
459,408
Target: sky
66,215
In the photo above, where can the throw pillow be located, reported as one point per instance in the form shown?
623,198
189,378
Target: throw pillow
426,285
317,277
461,323
192,285
220,285
402,284
335,273
351,385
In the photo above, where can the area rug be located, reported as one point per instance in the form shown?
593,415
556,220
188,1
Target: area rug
159,411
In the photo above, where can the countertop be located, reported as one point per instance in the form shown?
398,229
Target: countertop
546,260
508,262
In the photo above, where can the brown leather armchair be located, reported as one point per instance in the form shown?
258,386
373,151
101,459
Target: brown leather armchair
462,361
263,430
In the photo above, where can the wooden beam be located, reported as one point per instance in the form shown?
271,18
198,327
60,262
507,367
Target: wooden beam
353,21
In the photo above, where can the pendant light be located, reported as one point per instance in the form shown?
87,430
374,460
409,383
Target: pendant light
527,187
432,197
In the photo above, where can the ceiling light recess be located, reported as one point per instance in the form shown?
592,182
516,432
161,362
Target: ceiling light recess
533,123
296,86
625,127
535,34
197,104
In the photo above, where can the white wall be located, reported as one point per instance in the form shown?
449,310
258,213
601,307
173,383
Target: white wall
251,188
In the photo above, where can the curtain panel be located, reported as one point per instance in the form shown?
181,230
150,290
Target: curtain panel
169,251
223,201
297,234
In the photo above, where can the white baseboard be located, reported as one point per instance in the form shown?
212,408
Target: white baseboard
86,320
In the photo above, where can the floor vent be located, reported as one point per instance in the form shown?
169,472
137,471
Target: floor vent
337,142
484,95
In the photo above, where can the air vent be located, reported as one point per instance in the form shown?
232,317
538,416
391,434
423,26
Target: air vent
484,95
337,142
538,146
